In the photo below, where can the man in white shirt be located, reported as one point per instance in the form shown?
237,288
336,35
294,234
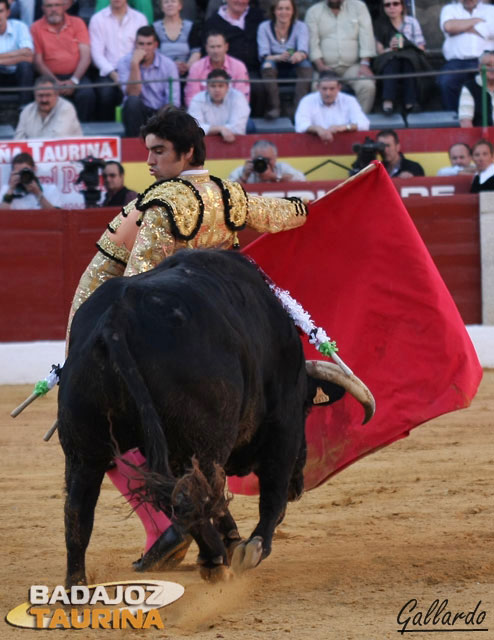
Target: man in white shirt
220,110
460,156
49,116
468,27
263,166
24,190
328,111
112,33
16,54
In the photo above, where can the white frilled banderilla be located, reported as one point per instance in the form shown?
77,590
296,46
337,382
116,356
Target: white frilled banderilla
317,336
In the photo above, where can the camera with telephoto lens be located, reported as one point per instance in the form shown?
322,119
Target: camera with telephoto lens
366,153
260,164
26,176
89,176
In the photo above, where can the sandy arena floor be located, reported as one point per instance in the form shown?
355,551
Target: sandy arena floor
415,520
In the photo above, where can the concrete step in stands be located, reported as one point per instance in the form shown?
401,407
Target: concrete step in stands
6,132
432,119
382,121
279,125
102,128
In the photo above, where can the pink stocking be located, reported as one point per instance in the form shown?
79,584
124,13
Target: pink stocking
154,522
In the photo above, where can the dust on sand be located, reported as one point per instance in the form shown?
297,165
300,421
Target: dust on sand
414,520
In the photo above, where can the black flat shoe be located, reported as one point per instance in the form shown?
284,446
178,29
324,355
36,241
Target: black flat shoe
166,553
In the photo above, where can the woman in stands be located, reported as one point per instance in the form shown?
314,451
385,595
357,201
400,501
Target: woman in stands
283,44
178,39
483,157
400,46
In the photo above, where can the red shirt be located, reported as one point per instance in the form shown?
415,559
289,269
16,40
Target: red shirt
60,49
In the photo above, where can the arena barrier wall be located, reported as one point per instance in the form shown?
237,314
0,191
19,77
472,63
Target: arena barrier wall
44,254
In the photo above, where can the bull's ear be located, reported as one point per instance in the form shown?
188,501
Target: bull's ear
320,397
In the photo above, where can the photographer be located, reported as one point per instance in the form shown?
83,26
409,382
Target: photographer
264,167
24,190
395,162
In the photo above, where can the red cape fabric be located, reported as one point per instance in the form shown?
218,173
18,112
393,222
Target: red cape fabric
361,270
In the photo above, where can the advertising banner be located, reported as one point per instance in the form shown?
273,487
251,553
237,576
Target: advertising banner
58,162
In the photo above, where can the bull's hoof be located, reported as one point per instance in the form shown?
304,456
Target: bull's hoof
220,573
230,548
247,555
166,553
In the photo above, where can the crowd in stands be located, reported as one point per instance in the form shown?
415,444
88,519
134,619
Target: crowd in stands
104,53
89,57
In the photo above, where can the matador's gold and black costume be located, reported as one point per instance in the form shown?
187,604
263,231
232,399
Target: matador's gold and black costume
195,210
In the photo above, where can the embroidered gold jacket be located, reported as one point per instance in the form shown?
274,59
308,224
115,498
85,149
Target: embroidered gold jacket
198,212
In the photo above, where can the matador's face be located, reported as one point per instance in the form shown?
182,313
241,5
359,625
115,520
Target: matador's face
163,161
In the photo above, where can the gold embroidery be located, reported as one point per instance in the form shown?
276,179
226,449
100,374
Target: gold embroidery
128,207
99,270
184,204
154,242
238,203
110,248
274,214
196,178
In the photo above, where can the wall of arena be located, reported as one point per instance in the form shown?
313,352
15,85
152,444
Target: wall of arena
43,255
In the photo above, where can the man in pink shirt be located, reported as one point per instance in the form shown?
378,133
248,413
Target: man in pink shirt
61,52
217,58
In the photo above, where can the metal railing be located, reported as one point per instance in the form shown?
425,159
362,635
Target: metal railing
283,81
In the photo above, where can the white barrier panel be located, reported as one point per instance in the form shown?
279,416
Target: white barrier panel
28,362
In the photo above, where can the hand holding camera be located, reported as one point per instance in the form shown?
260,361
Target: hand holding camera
23,182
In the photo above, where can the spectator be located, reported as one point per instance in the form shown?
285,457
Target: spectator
112,33
61,46
468,27
83,9
395,162
16,53
263,166
460,156
24,190
328,110
341,40
470,106
23,10
400,46
146,67
283,44
220,110
49,116
482,154
177,37
217,58
143,6
238,23
117,194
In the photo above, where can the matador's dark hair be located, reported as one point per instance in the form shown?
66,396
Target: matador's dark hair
181,129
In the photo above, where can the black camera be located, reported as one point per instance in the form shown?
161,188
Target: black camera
260,164
366,153
26,176
89,176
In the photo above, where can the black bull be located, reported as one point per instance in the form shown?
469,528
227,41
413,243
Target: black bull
195,358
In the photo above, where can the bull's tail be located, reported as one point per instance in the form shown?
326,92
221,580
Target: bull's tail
191,498
154,440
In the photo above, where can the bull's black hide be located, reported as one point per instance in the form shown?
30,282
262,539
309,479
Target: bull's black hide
194,358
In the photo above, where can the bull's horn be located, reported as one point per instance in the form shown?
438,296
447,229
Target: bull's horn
332,373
